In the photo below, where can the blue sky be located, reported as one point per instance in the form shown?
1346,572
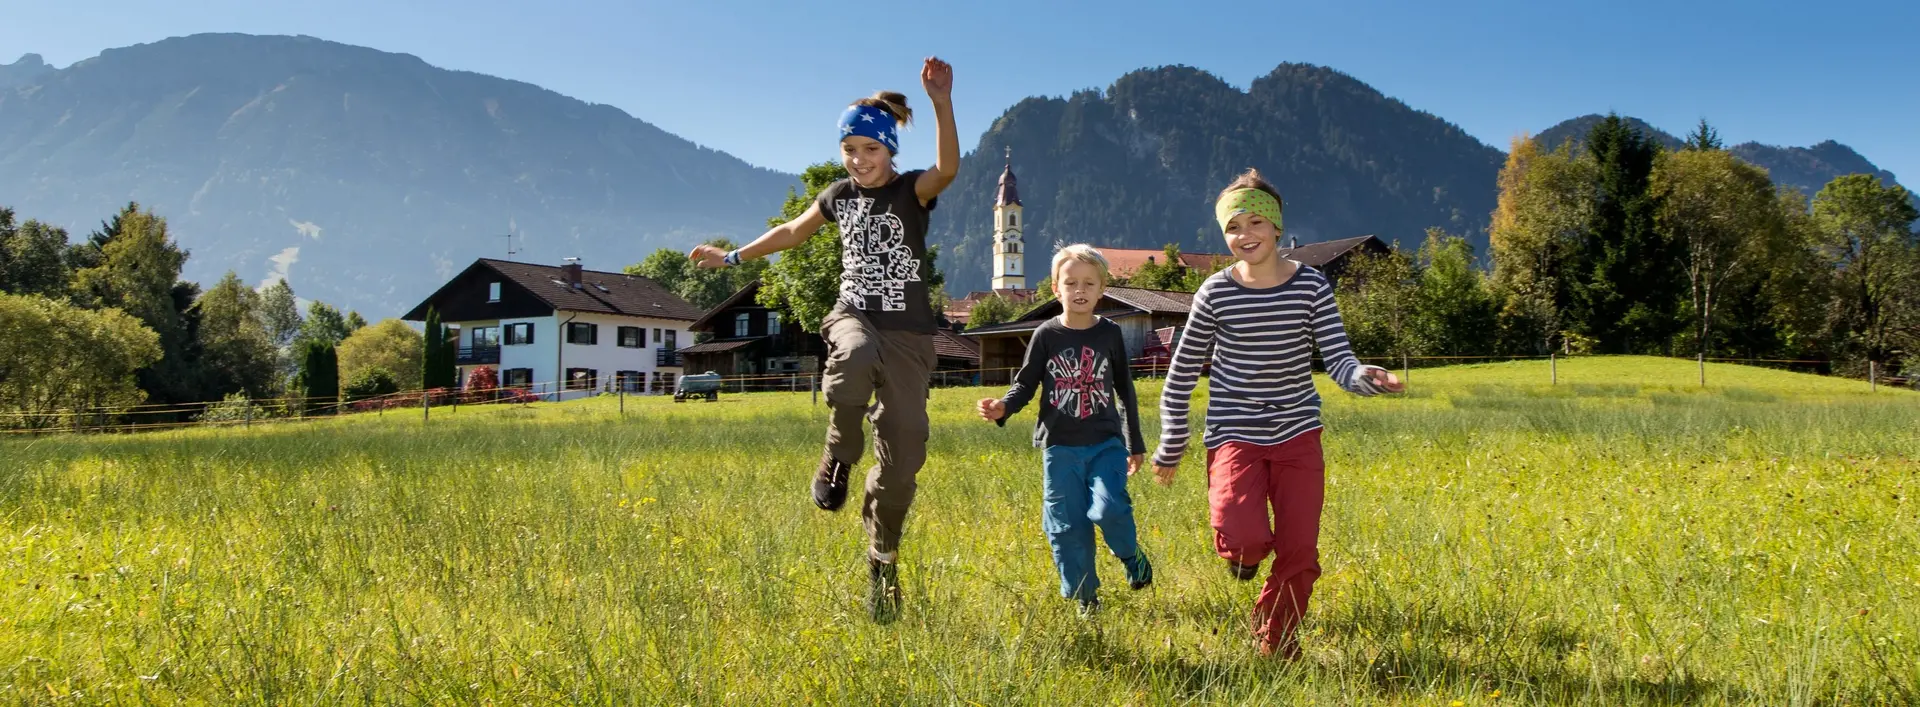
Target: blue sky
765,80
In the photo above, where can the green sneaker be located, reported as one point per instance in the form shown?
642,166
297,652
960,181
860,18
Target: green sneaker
1139,571
883,591
1089,608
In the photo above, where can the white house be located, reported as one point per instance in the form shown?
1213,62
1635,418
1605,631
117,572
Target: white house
564,332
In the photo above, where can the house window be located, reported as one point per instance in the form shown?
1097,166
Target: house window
516,378
630,381
583,333
518,334
493,292
486,337
633,337
1013,219
773,324
740,325
656,335
671,346
582,379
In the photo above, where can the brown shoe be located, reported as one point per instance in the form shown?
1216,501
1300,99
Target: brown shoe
830,483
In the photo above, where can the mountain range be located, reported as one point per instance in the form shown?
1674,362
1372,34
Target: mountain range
367,177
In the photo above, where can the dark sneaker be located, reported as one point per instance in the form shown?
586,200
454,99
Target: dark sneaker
1089,608
1243,572
1139,571
830,483
883,591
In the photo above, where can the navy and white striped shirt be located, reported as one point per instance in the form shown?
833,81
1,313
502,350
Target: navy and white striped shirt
1260,343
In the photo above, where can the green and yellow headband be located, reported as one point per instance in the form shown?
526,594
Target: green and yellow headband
1247,201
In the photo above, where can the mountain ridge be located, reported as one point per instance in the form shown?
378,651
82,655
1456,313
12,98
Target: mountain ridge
356,169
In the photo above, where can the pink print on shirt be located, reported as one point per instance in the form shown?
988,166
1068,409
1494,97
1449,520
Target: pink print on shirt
1079,382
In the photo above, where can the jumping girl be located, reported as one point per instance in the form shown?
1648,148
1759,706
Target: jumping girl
879,334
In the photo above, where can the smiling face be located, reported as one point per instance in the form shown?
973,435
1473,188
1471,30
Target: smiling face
1252,238
867,161
1079,286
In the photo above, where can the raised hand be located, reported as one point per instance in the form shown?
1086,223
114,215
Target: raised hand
937,77
708,257
1385,380
991,409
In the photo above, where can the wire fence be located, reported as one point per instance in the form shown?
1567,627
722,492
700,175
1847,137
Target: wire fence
245,413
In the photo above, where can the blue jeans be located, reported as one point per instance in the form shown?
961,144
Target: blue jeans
1085,487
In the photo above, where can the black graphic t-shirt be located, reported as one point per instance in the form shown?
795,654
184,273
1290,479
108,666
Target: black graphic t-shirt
1085,385
883,242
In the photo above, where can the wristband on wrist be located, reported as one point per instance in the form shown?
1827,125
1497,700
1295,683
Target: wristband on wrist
732,258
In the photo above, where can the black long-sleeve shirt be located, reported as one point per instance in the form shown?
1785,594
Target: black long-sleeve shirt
1087,383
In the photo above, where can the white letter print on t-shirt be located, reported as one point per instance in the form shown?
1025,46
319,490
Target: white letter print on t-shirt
874,258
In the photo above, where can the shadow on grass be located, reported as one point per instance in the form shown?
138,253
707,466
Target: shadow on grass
1529,666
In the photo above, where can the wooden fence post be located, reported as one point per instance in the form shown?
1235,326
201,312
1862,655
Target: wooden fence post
1703,369
1873,377
426,407
1553,367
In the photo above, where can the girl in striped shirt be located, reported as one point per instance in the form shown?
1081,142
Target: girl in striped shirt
1257,323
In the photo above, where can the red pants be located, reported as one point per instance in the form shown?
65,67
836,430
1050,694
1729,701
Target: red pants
1243,480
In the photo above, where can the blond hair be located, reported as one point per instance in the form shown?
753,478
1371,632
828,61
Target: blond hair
1083,253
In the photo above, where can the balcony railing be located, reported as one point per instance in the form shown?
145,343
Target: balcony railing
475,355
667,357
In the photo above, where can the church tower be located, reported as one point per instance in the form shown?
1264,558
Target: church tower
1009,272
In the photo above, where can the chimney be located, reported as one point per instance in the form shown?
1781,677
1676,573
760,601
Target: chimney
571,272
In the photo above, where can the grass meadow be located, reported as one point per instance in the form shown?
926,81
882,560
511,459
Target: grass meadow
1489,539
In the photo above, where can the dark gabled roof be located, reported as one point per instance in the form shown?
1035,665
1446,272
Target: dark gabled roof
1132,301
745,294
1122,262
719,346
1319,254
949,344
600,292
1155,301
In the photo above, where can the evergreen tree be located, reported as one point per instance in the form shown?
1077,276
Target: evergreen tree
432,350
1704,138
135,268
1627,282
319,375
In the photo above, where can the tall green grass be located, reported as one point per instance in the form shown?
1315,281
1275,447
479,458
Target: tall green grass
1622,537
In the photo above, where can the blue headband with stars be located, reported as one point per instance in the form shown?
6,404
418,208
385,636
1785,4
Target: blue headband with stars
871,122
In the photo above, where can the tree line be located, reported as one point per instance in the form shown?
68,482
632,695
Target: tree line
106,324
1616,245
1619,246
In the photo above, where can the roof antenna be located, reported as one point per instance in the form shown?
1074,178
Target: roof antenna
510,250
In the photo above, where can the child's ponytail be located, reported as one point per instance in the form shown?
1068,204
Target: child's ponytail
894,103
1251,179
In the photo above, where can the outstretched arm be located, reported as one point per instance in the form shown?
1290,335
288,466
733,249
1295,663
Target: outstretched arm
937,77
1330,336
776,239
1196,346
1026,382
